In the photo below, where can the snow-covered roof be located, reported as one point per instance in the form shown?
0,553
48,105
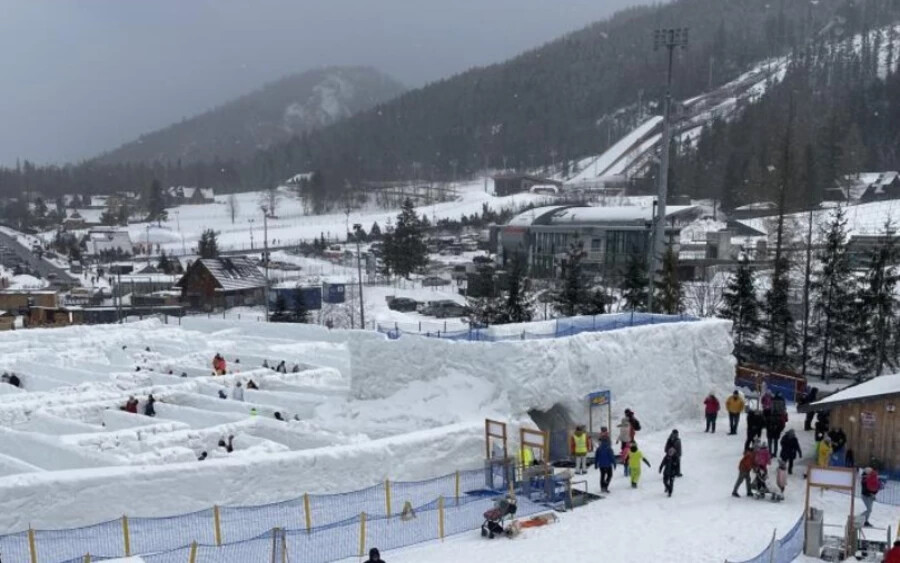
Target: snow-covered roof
528,218
884,385
579,215
234,273
301,177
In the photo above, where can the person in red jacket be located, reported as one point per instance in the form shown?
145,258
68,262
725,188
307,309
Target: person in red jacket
712,412
893,556
870,487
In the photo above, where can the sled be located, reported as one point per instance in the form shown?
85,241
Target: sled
537,521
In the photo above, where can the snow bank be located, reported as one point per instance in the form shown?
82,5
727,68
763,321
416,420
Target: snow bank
661,371
48,452
73,498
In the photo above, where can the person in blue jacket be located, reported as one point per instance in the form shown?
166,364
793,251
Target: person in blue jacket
605,460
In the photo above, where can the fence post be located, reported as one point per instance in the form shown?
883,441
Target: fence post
387,496
362,534
307,513
193,556
274,543
32,548
457,487
218,526
441,517
126,536
284,554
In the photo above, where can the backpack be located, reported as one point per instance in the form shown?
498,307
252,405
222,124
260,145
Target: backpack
635,424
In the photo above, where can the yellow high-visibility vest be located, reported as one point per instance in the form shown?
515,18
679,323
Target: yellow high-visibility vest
580,443
527,457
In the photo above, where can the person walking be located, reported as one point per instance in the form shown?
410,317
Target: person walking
744,468
755,424
635,457
808,398
669,469
238,393
674,442
774,428
605,461
579,446
374,556
734,404
790,450
712,408
870,487
150,407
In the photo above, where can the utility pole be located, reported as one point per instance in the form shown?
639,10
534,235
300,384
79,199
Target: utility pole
266,255
670,38
357,229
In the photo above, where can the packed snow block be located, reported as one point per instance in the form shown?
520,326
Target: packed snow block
281,331
49,452
663,372
52,424
13,466
62,499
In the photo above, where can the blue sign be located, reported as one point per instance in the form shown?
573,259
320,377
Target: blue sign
334,292
312,297
600,398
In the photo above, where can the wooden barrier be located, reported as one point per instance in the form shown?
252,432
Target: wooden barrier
32,548
218,526
307,513
362,534
127,536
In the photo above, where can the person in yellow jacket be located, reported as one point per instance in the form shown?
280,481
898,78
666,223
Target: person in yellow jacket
634,464
579,446
734,404
823,452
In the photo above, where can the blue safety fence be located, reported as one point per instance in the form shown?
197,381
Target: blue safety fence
567,326
313,527
783,550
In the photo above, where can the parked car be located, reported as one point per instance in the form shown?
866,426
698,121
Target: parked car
434,281
402,304
444,309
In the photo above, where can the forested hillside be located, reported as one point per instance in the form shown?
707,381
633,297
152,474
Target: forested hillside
273,114
554,103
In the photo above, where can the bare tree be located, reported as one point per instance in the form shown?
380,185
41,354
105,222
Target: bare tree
232,207
269,201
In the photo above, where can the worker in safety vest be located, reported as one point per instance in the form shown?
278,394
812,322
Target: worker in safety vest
526,456
580,445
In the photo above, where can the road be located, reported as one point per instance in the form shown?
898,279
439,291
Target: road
10,246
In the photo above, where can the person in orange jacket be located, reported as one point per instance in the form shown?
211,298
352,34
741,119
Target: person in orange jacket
579,446
744,468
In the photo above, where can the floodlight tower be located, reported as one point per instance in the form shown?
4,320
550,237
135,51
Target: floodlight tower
669,38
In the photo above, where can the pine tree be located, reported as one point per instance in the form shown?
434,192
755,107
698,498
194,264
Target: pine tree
779,322
404,250
634,286
487,308
832,287
208,247
669,296
742,308
156,203
571,295
375,232
874,307
517,306
164,265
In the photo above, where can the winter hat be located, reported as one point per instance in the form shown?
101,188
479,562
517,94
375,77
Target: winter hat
675,431
628,412
374,553
634,447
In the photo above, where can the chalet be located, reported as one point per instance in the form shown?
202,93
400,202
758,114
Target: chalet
508,184
74,220
16,300
221,283
868,414
109,241
184,195
7,320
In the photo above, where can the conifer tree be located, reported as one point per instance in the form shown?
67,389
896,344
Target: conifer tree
668,297
571,295
517,305
832,288
742,308
301,313
635,284
156,203
404,250
208,246
874,308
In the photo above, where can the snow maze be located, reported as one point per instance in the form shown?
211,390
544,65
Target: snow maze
361,408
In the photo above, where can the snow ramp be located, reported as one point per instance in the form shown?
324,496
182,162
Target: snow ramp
663,372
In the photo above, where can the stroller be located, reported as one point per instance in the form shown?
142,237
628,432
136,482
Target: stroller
493,518
761,487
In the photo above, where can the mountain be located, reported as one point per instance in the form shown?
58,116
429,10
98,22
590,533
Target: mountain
291,106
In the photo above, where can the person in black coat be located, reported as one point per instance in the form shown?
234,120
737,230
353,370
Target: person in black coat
790,449
150,407
674,442
810,397
838,439
774,428
669,469
374,556
755,424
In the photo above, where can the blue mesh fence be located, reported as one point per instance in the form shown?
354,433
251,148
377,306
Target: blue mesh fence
247,532
567,326
782,550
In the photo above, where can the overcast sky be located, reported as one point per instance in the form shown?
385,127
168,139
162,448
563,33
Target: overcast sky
81,76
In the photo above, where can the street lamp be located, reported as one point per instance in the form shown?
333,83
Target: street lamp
670,38
265,211
357,230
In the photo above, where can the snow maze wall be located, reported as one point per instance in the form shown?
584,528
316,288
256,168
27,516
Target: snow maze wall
368,408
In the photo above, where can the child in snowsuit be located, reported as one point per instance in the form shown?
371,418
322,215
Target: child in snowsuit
669,469
781,476
635,457
605,461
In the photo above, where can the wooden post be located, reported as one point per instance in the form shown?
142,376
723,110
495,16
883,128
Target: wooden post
441,518
284,557
126,536
387,496
307,513
274,543
457,487
218,526
32,548
193,556
362,534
